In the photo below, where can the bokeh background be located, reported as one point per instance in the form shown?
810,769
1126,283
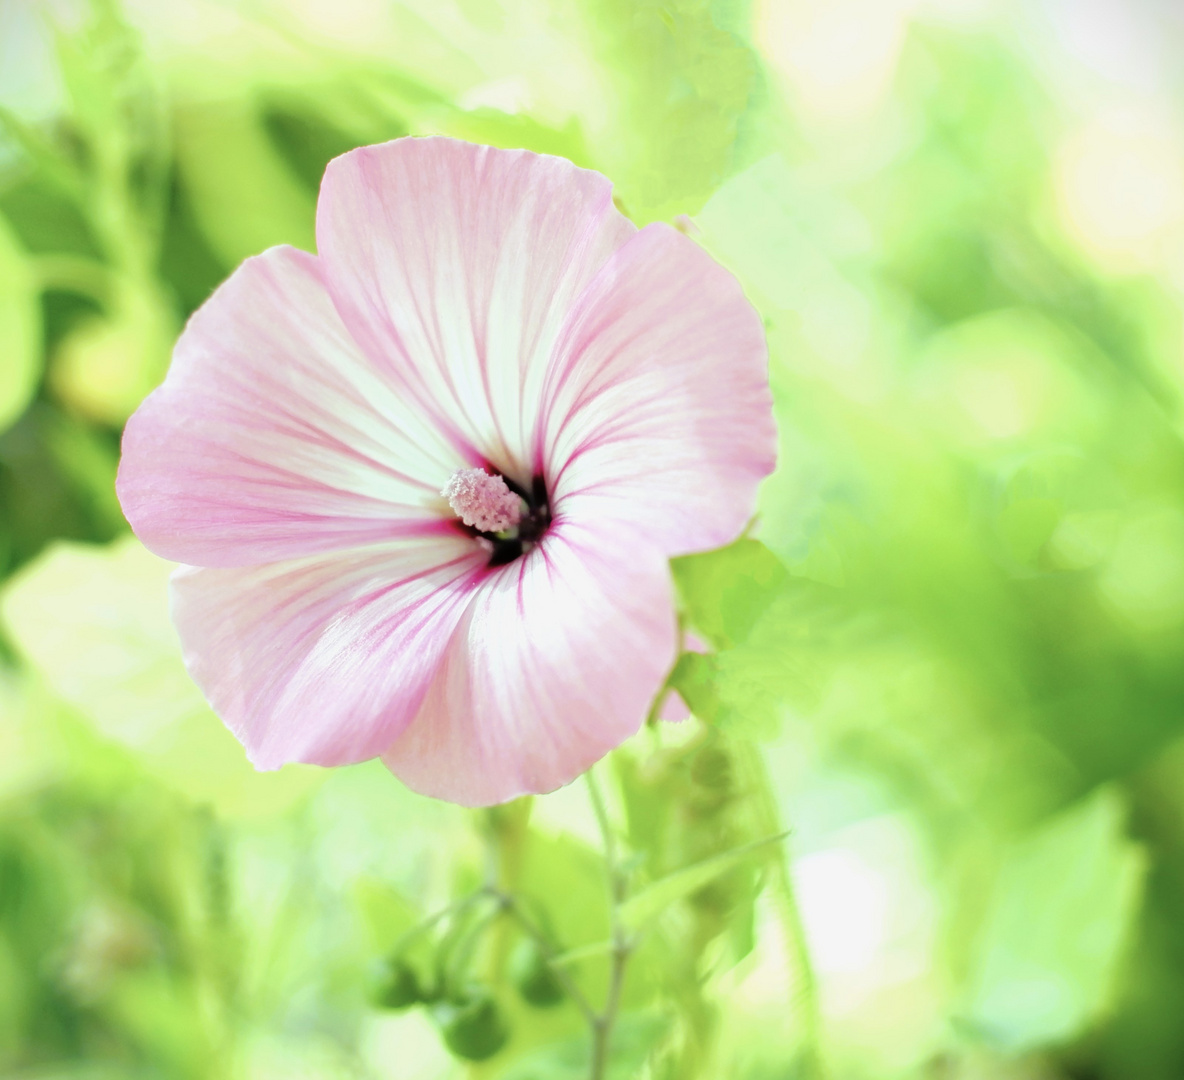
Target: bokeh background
950,656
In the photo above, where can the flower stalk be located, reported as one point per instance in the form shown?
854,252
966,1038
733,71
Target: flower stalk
622,944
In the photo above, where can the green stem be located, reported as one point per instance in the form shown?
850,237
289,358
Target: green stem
602,1024
789,913
456,954
457,907
506,831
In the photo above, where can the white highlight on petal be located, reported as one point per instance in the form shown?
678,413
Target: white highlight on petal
483,501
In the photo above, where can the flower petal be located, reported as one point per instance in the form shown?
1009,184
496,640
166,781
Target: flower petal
326,659
657,407
454,266
273,436
557,661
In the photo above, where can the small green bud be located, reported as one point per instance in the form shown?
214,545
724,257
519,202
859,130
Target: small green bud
533,977
394,985
472,1024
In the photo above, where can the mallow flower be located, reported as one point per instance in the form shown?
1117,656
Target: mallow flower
425,484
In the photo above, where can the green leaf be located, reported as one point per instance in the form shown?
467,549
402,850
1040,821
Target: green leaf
725,591
781,659
1055,932
695,677
645,905
20,329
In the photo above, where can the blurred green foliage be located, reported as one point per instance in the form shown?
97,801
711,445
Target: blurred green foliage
949,656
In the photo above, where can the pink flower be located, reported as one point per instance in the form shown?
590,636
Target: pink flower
482,338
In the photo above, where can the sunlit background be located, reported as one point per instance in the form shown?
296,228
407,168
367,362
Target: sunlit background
952,650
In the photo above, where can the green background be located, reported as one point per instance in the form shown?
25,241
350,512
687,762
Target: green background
949,657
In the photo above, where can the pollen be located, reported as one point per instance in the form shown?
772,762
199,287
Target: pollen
483,501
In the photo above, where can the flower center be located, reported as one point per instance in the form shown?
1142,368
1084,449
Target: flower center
483,501
505,518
